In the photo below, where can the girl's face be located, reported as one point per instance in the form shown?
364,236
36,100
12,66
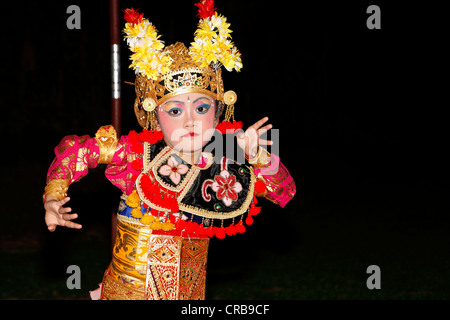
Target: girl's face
187,121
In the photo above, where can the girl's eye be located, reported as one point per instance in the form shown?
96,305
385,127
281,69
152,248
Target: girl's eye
203,108
175,112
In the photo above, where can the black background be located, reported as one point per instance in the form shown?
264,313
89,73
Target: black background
361,113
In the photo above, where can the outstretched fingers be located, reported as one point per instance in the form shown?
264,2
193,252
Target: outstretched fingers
259,123
72,225
264,129
63,201
61,216
67,220
264,142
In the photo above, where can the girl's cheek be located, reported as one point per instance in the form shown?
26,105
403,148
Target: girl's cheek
209,121
167,123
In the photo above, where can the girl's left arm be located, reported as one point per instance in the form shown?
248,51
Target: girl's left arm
280,186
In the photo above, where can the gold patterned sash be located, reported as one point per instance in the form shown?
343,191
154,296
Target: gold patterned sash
148,266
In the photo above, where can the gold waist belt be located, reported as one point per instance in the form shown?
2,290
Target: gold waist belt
148,266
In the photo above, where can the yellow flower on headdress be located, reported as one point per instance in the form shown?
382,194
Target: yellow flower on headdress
212,44
150,31
140,53
143,40
232,60
205,30
204,52
132,31
151,63
162,61
220,22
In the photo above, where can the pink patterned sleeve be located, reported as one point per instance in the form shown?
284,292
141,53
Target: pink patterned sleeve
74,156
120,172
280,186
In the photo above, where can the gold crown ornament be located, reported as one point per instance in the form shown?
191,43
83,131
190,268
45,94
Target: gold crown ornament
164,72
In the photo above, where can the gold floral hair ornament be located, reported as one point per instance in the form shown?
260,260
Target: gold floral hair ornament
164,72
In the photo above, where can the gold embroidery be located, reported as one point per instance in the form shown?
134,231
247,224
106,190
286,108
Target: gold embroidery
163,268
81,159
66,161
83,139
56,172
280,175
194,256
106,138
291,189
67,142
261,159
57,188
115,290
130,249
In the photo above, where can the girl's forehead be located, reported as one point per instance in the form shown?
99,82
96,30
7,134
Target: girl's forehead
188,97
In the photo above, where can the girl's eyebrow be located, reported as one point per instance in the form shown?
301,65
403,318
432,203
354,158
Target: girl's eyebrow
201,98
173,101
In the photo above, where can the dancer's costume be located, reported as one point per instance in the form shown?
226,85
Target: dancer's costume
169,208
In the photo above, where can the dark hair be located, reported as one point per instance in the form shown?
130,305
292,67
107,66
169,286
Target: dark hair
219,109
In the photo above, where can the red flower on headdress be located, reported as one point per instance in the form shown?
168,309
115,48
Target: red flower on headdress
133,16
205,9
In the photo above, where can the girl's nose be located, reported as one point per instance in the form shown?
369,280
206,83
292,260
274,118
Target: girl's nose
189,120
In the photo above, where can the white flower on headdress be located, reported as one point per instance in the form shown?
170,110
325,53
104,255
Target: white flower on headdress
220,22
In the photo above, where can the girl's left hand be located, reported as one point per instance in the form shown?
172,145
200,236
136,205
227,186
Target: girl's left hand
249,140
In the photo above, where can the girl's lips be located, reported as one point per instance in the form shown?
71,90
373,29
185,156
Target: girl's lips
191,134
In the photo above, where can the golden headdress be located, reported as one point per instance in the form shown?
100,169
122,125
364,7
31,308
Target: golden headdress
164,72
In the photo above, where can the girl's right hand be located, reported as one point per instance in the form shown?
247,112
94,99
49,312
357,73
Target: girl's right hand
57,215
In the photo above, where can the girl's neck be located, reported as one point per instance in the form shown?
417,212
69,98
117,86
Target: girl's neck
192,158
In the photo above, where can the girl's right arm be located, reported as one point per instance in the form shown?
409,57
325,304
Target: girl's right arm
74,156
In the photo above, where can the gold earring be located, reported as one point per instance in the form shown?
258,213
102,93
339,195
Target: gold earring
229,98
